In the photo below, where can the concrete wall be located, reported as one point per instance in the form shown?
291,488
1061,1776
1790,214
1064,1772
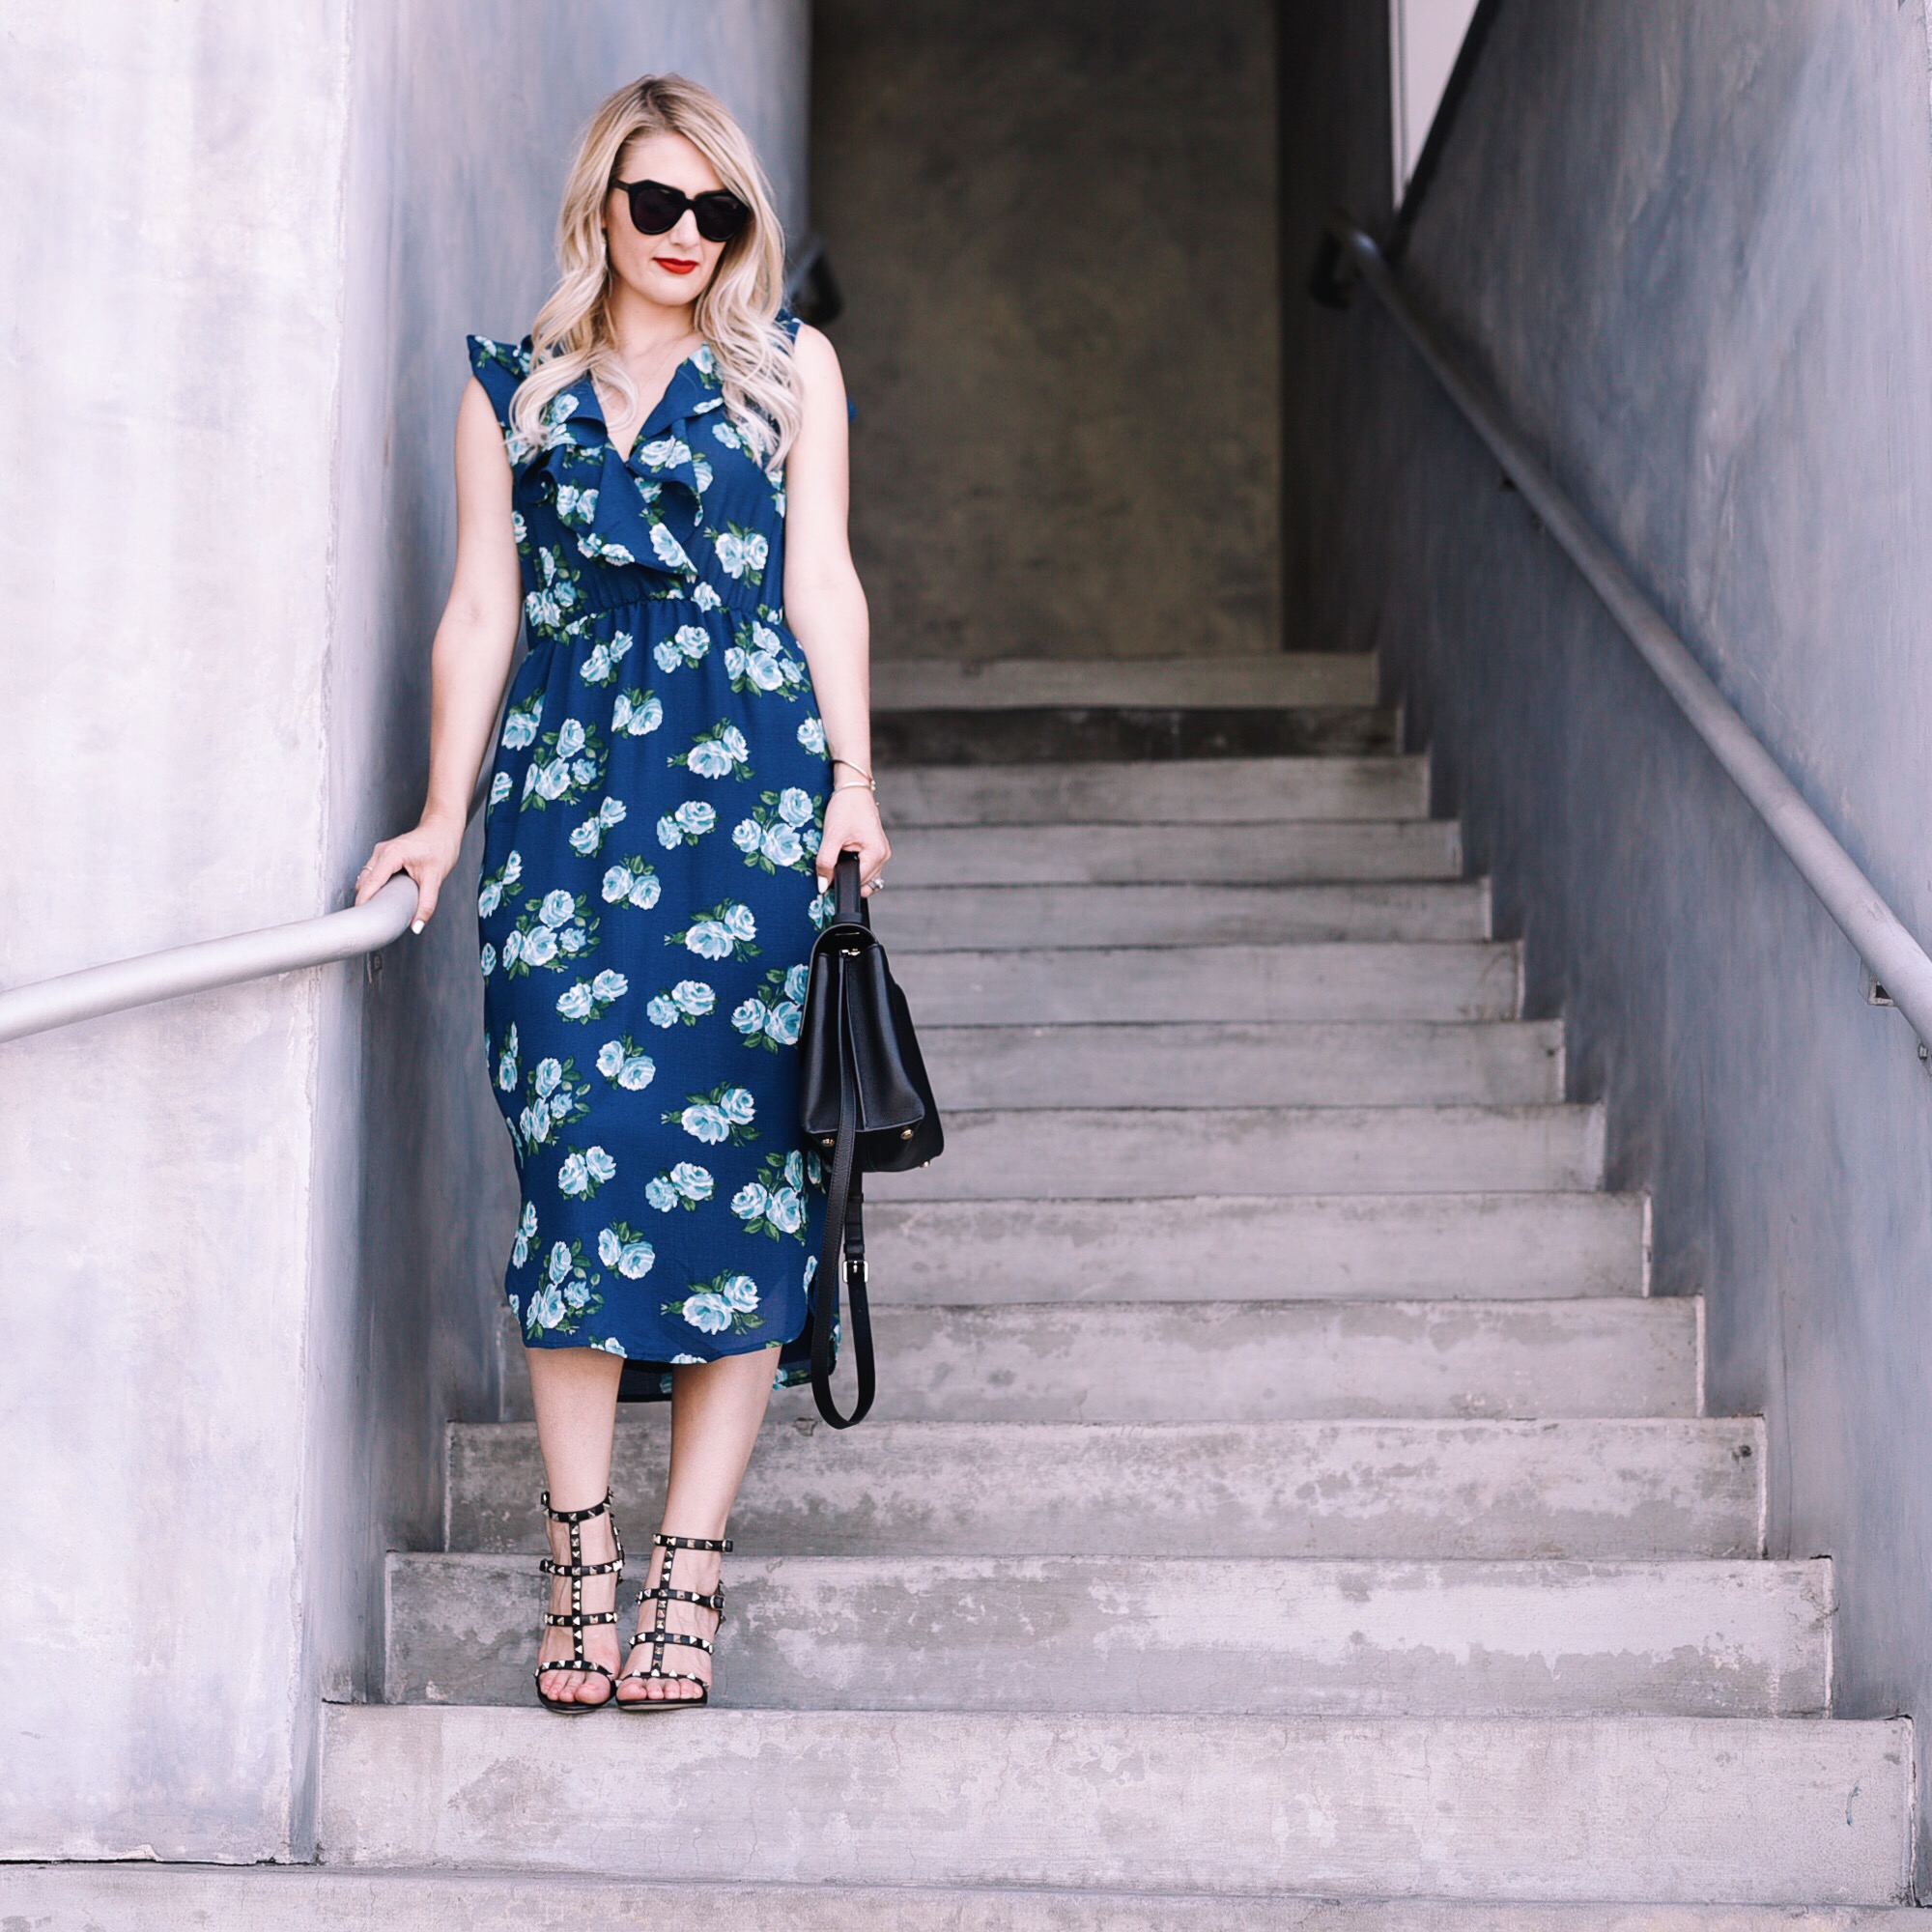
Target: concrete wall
1054,225
1691,245
255,1236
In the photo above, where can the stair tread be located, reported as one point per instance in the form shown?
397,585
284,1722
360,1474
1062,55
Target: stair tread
1269,1360
1237,1063
1181,790
1267,1247
1119,1153
946,916
308,1898
1205,1360
1240,1635
1011,737
1285,852
1649,1807
1596,1487
1401,980
1271,678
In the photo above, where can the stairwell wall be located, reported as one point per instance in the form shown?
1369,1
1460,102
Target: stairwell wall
1028,204
1690,247
256,1235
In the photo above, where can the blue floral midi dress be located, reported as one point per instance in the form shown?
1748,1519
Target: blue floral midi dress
648,903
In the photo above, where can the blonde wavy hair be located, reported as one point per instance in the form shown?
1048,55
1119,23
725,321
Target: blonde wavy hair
736,313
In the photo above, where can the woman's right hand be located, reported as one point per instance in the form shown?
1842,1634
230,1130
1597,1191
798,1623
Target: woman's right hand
428,855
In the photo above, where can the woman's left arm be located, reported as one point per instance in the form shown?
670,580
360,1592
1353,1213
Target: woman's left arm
825,606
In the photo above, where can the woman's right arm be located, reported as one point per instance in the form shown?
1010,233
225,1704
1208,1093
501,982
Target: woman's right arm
469,664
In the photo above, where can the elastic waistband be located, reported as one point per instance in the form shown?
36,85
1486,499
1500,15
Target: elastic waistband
621,586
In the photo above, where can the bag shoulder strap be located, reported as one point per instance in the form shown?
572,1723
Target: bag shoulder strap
842,1253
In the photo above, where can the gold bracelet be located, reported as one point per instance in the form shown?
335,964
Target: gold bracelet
856,785
860,769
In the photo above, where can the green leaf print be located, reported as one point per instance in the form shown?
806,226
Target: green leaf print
773,1204
568,763
725,1114
726,1301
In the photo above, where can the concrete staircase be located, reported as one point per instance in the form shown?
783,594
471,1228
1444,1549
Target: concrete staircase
1284,1507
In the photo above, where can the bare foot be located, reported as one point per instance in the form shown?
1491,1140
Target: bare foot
697,1571
598,1541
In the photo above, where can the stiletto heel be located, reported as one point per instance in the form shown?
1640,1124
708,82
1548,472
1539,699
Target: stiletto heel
663,1595
576,1619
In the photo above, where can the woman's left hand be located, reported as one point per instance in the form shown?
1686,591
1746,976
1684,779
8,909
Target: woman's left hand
852,825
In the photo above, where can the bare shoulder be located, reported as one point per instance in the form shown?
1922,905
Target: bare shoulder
476,416
480,435
818,362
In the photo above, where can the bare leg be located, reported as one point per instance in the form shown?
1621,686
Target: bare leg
714,1413
576,1395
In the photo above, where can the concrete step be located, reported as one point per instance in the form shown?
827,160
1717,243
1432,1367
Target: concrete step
1268,1361
307,1898
930,919
1301,849
1024,735
1120,1154
1593,1489
1248,1637
1262,679
1234,1063
1174,791
1352,1246
1088,985
1261,1361
1572,1807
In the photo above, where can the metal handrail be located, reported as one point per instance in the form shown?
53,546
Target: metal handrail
206,963
95,990
1897,963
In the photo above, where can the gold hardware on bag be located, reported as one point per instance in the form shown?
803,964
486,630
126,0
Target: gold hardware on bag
905,1134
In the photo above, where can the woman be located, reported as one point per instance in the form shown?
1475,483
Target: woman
655,483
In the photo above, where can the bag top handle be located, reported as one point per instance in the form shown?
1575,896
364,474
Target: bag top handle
849,902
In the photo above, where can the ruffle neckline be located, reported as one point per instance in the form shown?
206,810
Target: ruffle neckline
645,508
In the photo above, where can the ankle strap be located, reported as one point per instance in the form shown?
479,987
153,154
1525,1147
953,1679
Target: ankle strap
576,1516
663,1542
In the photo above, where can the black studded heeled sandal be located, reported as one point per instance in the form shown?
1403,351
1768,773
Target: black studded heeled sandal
663,1595
576,1619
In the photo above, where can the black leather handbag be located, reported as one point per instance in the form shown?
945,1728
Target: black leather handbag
865,1105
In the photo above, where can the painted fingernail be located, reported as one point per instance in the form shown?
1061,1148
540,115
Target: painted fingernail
415,925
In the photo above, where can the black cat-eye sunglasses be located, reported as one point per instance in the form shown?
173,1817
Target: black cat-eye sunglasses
655,208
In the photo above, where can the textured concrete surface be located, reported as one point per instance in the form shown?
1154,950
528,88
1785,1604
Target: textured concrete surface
1255,1361
1245,1361
197,1899
1692,249
1079,731
928,918
1187,1064
1055,229
1379,1245
1343,981
1278,678
243,247
1235,854
1590,1489
1253,1637
1072,1154
1174,791
1650,1807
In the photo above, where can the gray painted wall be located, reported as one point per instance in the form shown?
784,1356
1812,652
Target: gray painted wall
1691,247
255,1237
1054,223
